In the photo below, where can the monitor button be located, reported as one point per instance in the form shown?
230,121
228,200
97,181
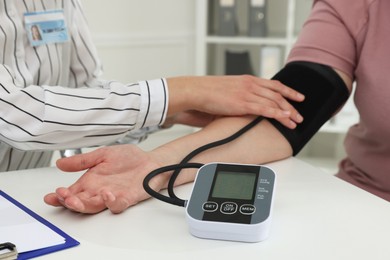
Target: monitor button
229,208
247,209
210,206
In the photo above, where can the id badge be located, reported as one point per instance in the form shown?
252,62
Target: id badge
46,27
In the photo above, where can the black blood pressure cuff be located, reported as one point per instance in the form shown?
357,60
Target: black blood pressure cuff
325,92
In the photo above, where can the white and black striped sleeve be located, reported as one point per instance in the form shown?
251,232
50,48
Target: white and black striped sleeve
38,111
39,117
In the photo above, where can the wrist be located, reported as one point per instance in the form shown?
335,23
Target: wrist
182,91
168,156
164,156
168,123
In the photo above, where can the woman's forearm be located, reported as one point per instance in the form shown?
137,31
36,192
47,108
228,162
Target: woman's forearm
261,144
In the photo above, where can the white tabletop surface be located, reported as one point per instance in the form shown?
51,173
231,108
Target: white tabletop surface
316,216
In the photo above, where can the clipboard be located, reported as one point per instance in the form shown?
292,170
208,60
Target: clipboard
69,241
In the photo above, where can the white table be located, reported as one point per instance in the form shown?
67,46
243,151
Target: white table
316,216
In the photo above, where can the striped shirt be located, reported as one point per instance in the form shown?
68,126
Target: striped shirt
52,96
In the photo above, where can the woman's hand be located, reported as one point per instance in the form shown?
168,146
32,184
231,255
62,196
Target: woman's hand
234,96
113,180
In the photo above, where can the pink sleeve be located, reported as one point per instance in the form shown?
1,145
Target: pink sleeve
328,36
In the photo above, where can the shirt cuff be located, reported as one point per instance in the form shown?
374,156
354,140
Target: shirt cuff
154,103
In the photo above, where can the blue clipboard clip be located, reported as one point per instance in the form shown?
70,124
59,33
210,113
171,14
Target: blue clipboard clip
8,251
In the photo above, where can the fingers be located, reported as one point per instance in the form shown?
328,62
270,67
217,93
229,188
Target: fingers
76,199
87,204
274,101
79,162
82,202
284,117
284,90
287,122
115,204
89,200
270,107
57,198
52,200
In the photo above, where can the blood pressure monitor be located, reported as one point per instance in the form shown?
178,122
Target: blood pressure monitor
231,202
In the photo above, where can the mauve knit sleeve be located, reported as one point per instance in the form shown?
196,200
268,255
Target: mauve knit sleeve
328,36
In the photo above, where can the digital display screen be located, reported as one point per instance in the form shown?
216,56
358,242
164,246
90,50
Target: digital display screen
234,185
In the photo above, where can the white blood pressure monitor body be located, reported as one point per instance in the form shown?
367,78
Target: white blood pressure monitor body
231,202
